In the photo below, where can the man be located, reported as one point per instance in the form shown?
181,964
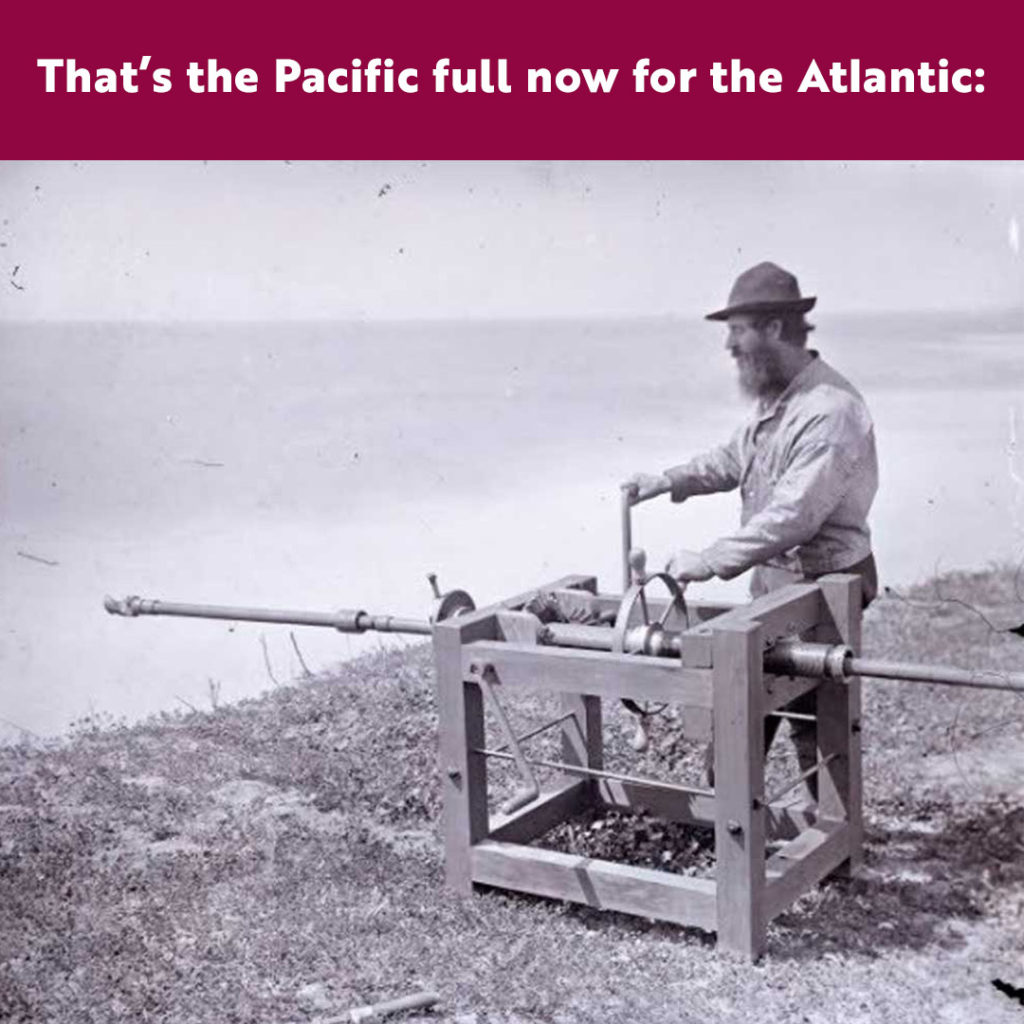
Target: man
804,463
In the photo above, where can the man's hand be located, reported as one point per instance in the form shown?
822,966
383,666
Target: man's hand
689,566
643,486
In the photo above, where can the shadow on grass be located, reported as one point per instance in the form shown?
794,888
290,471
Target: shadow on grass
930,867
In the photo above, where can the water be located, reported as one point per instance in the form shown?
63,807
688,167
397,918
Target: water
324,465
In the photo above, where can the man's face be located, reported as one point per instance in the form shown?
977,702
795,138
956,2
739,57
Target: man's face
757,356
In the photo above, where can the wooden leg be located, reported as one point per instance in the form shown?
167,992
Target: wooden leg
463,774
581,735
840,784
739,782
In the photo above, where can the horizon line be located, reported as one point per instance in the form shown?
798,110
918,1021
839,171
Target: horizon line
364,318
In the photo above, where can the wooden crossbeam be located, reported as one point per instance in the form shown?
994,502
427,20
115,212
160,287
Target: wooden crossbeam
550,809
597,673
596,883
784,821
805,861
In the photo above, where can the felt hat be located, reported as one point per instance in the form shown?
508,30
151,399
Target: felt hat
766,288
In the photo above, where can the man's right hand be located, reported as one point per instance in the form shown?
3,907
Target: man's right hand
643,486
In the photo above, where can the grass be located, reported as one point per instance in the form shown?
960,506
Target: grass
279,860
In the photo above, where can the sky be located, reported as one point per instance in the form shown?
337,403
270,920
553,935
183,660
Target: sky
293,240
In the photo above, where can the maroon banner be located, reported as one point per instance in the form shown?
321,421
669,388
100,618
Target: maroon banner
467,80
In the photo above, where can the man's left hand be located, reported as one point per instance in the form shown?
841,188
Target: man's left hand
689,566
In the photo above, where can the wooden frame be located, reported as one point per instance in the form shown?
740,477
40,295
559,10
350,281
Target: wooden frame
719,675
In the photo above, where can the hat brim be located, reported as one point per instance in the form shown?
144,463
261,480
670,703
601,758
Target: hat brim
794,306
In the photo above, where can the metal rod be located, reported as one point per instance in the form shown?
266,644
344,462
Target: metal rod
813,770
540,728
628,494
596,773
986,679
392,624
794,715
601,638
834,661
786,657
572,634
346,620
529,790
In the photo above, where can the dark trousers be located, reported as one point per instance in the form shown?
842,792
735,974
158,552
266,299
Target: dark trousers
803,733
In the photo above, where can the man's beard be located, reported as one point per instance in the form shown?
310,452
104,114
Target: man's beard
760,373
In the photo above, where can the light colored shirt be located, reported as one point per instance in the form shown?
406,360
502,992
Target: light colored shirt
807,472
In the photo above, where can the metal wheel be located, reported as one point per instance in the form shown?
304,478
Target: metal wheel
637,631
636,628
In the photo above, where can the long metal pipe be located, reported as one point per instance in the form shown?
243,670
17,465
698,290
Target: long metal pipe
345,619
834,661
572,634
983,679
787,657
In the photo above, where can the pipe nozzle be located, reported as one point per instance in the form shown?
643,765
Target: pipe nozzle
128,606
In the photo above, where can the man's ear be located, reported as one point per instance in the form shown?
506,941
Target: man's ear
773,329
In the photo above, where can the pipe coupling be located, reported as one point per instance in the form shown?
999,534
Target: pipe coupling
349,620
815,661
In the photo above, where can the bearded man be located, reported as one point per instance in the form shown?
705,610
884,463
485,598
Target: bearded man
804,463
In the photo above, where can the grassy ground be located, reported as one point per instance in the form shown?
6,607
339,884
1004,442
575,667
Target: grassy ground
279,860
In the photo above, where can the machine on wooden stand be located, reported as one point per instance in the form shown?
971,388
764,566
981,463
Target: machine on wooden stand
726,666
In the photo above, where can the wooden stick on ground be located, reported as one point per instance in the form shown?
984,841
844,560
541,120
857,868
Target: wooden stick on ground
374,1011
417,1001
